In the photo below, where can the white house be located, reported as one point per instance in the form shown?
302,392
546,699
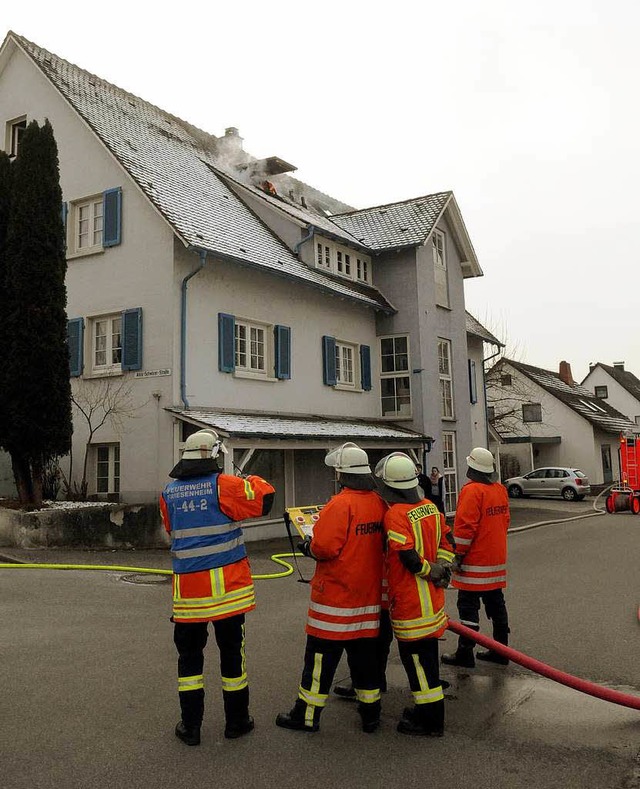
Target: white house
547,419
209,288
619,387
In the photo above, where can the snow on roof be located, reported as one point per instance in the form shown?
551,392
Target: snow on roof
242,425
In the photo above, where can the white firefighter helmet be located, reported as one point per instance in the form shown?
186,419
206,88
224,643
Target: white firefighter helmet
397,470
202,444
349,459
482,460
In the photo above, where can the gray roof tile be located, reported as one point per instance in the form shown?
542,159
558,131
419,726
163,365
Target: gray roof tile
476,328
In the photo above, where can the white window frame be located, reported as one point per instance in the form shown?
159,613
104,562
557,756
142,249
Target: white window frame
439,256
347,365
89,210
253,353
445,367
109,367
397,374
450,470
342,261
363,269
14,130
112,462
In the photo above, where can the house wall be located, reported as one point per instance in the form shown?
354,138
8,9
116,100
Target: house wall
618,397
255,295
137,273
475,350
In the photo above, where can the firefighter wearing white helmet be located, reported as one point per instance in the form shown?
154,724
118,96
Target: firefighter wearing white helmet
346,595
211,577
480,571
419,555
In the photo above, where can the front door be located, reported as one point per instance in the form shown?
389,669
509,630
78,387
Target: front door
607,471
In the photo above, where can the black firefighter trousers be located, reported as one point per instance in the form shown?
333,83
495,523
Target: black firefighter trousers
190,639
495,608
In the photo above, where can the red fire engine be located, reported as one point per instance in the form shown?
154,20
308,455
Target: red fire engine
626,495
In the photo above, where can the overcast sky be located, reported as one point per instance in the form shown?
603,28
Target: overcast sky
529,112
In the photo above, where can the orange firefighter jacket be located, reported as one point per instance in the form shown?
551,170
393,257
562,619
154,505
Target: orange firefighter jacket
346,588
417,606
220,592
480,533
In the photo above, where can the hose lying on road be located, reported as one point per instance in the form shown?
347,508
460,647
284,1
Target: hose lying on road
565,520
607,694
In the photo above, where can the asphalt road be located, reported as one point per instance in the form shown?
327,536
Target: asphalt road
88,688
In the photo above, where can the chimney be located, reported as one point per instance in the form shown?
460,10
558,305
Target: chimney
565,374
618,366
231,144
592,366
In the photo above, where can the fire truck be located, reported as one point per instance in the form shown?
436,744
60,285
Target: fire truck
625,496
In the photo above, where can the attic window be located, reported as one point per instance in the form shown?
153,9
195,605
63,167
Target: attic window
602,392
14,131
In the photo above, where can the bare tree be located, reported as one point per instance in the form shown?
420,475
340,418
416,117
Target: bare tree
98,402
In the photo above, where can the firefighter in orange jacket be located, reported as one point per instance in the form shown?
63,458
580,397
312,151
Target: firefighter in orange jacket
419,556
211,577
480,570
346,592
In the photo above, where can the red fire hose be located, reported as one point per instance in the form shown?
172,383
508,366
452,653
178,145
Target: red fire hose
615,696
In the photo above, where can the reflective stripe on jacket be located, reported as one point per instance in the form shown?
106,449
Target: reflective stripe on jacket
417,606
346,588
480,533
213,594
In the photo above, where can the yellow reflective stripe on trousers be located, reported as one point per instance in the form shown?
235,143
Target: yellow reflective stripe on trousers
425,695
234,683
367,696
191,683
312,697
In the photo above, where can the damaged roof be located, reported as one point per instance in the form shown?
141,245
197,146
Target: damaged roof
577,397
259,425
171,161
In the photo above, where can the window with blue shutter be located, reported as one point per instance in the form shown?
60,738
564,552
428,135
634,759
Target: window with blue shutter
282,342
112,217
132,339
226,342
329,360
75,343
473,386
365,367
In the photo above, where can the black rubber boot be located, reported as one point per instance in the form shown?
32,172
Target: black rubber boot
461,657
295,719
190,735
345,692
236,712
370,716
501,635
423,720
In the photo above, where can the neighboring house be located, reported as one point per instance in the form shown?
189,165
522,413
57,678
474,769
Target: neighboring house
619,387
226,293
547,419
482,434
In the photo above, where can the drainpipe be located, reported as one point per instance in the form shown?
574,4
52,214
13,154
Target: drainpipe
183,329
310,231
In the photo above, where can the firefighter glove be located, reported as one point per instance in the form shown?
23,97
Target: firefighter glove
440,574
457,563
305,547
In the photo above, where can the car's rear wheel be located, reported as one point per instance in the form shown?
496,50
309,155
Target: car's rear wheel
515,491
569,494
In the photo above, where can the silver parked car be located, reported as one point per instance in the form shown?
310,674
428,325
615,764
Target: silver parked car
570,483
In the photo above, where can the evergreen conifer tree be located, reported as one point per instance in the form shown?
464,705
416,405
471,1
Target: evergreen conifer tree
38,394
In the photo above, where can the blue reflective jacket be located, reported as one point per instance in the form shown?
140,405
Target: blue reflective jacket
202,537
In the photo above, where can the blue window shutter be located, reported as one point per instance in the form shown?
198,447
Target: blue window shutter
112,217
473,387
226,343
64,210
132,339
282,339
75,342
329,360
365,367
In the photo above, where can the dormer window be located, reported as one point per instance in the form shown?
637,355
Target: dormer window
342,261
15,129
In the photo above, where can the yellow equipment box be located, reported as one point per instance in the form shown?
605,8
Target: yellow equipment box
303,518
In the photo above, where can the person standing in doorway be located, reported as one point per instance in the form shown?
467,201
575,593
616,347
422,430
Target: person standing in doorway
480,569
211,577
